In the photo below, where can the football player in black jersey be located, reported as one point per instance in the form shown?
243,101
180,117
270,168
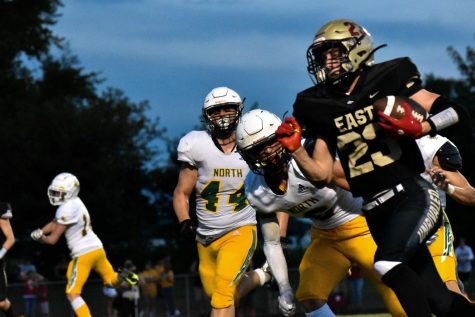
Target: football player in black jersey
8,239
380,158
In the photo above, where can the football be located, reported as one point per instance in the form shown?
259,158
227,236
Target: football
392,106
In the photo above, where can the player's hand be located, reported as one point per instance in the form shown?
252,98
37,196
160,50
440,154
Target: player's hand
289,134
36,234
406,126
287,302
439,178
187,229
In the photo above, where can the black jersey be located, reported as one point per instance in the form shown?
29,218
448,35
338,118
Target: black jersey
372,159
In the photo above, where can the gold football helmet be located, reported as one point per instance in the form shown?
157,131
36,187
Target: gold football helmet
340,48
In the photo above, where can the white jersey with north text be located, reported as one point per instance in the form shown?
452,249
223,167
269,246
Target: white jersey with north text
221,204
327,207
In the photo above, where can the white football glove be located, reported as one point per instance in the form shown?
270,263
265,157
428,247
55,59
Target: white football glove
36,234
287,302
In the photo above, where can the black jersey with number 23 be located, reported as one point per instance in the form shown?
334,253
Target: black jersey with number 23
372,159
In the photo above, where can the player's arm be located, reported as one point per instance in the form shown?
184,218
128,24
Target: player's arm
55,231
454,184
9,236
275,257
339,177
187,179
443,111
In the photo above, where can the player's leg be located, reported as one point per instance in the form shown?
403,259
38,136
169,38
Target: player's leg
251,280
235,252
441,248
77,274
5,304
322,267
361,250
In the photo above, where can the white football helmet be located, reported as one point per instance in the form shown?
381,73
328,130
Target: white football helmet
223,125
256,132
64,187
355,46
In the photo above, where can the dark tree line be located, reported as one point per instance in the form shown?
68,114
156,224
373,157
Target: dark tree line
54,118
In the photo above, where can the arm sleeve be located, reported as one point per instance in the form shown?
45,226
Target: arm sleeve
273,251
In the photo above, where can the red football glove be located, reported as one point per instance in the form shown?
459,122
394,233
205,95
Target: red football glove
407,125
289,134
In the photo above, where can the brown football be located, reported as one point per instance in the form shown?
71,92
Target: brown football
392,106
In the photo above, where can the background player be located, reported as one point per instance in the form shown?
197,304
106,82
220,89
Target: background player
226,232
73,220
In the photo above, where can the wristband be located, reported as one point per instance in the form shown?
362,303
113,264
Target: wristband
443,119
450,189
3,251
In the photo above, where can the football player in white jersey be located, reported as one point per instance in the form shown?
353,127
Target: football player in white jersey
443,164
8,239
226,233
73,220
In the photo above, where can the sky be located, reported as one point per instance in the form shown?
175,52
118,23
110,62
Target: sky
173,52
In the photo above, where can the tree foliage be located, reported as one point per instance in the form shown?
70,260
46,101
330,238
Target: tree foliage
55,119
461,90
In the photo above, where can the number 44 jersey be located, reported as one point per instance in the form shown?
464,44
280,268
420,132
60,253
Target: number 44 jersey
221,203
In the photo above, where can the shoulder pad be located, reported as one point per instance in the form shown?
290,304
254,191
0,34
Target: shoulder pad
449,157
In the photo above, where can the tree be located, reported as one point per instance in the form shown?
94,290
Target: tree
462,91
55,119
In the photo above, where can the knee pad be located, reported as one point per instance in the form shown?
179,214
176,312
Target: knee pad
383,267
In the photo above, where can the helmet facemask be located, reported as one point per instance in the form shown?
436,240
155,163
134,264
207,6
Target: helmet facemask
329,61
64,187
267,155
222,125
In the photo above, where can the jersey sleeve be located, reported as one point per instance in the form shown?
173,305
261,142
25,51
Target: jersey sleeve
185,149
5,210
407,77
67,214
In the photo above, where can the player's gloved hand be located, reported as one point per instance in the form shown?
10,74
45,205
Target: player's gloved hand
187,229
287,302
407,125
289,134
36,234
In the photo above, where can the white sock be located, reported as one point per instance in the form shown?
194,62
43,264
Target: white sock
323,311
263,276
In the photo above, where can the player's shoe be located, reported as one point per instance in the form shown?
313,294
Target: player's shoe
127,276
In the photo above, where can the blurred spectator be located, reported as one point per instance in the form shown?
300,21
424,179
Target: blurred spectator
30,292
148,279
159,268
167,281
43,296
355,282
25,267
126,302
464,255
110,293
